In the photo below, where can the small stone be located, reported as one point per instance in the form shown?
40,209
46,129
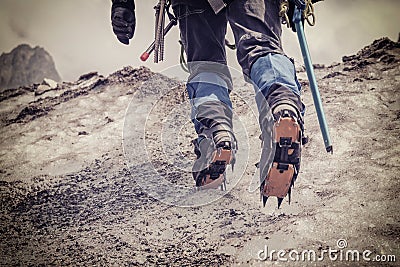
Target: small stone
49,82
232,212
42,89
88,76
108,119
83,133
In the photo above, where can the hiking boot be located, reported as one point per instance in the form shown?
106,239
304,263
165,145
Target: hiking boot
288,138
215,149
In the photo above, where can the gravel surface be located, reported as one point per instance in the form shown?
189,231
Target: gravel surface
82,183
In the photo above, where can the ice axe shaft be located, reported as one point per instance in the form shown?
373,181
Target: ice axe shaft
151,48
311,77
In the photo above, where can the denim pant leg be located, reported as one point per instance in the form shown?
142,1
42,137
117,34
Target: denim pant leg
256,26
257,29
209,98
274,78
203,36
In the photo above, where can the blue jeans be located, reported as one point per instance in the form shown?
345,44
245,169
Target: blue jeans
209,98
257,30
275,82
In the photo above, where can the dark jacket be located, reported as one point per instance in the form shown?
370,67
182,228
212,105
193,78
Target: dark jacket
194,3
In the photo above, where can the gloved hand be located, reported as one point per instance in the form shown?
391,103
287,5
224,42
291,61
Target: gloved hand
123,19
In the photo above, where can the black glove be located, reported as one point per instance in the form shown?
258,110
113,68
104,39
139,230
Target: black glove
123,19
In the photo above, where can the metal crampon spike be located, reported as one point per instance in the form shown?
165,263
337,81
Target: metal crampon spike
264,199
219,151
279,202
223,185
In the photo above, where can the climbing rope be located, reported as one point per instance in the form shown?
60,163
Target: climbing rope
229,45
283,13
308,13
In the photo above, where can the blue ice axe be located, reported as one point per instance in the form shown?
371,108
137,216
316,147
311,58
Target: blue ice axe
297,20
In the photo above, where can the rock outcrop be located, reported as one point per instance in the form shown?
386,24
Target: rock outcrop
25,65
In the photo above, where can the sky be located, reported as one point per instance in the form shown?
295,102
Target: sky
78,34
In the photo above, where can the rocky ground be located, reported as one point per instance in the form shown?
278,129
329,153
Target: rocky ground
86,169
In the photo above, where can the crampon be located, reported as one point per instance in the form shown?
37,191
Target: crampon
209,170
282,174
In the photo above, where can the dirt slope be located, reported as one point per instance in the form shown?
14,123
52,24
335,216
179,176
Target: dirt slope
75,177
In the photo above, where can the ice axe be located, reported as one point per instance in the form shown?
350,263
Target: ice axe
297,20
158,43
151,48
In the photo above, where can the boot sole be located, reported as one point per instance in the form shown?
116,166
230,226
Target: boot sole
280,175
221,158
